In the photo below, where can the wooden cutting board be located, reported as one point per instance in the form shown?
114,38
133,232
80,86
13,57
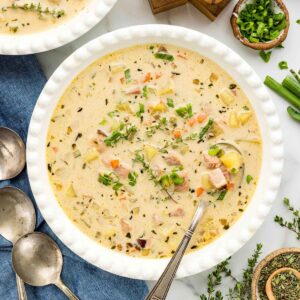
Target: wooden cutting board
158,6
210,8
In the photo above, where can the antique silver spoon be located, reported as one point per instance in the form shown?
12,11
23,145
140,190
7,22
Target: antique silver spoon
161,288
12,154
17,217
38,261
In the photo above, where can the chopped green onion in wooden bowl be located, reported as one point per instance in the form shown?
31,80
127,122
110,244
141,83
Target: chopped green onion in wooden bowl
260,24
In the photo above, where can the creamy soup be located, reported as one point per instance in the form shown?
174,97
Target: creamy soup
136,141
28,16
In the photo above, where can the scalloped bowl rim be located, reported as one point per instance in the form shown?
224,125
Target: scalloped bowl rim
58,35
221,248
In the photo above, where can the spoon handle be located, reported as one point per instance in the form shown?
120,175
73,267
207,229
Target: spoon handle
21,288
66,290
161,288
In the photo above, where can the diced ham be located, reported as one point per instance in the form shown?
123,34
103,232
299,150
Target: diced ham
122,171
172,159
157,171
217,178
125,226
226,173
156,220
179,212
211,162
134,90
184,186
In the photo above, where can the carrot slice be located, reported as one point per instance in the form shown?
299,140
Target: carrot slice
199,191
177,134
191,122
201,118
115,163
147,77
158,75
230,186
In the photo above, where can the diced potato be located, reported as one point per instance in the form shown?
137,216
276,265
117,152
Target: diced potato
233,121
91,155
216,129
109,232
145,252
71,192
205,182
213,77
226,96
167,229
183,148
232,160
136,210
244,116
124,107
160,107
150,151
58,186
168,89
117,67
115,124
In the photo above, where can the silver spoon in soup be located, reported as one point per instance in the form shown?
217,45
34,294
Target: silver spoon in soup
161,288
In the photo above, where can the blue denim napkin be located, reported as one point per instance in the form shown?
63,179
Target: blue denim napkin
21,81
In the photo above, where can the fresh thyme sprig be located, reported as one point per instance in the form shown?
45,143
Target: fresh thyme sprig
139,158
241,289
294,224
125,132
38,9
162,124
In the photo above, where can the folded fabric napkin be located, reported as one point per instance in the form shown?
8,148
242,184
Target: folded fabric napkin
21,81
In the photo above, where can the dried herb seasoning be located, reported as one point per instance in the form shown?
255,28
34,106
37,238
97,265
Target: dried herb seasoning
286,285
284,260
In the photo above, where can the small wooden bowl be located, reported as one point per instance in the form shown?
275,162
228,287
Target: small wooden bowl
262,264
260,45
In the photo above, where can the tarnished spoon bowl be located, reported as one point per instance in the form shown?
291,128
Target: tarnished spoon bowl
38,261
12,154
17,217
17,214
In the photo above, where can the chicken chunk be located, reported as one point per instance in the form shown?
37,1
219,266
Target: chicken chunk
179,212
122,171
217,178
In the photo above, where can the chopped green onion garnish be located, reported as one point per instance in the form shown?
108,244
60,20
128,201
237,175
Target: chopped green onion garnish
283,65
265,55
170,102
164,56
249,178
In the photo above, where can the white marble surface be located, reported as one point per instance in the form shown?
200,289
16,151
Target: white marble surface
133,12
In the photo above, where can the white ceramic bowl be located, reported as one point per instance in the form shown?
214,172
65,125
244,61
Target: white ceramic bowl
221,248
59,35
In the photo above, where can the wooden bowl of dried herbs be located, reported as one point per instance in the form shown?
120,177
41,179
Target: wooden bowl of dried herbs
260,24
277,276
